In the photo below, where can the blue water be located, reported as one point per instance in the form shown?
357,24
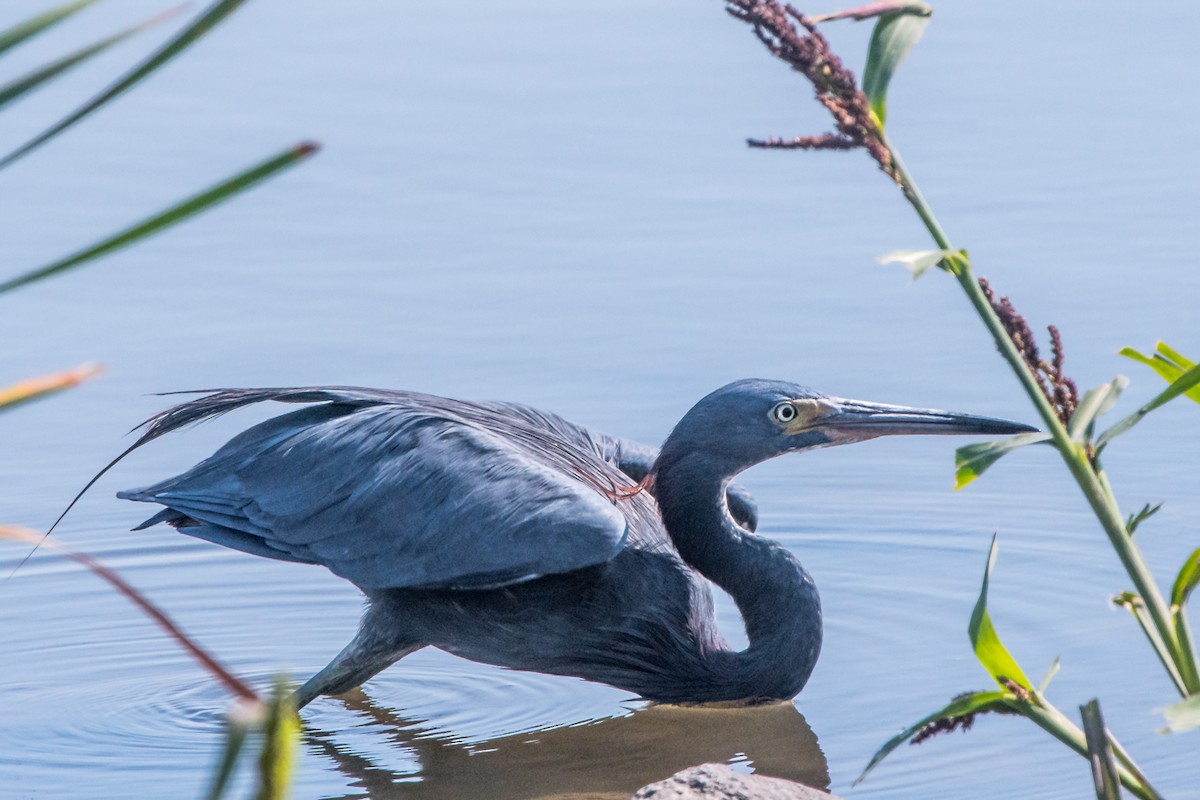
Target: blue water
551,203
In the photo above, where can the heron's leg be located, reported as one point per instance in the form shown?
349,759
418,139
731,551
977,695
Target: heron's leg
375,648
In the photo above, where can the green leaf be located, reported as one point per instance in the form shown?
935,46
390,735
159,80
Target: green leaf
918,262
36,24
31,80
1095,403
1184,715
1167,362
278,756
180,42
1187,580
172,216
236,728
1173,355
1104,767
1134,520
1181,385
972,460
971,703
990,651
895,34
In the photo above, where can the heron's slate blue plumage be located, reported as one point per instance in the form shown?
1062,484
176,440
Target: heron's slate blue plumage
511,536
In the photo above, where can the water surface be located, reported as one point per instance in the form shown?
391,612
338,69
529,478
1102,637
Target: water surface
551,203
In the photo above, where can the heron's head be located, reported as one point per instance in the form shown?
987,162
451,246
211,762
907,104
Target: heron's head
750,421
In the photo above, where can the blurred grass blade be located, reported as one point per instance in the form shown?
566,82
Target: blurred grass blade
895,33
31,80
955,715
1095,403
1186,580
1184,715
172,216
918,262
1051,671
277,759
236,727
1104,768
1181,385
18,33
180,42
990,651
972,460
232,683
34,388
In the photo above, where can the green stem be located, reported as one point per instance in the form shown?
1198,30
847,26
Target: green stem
1094,489
1189,666
1054,722
1157,645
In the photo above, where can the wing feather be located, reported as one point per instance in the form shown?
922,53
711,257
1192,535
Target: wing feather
394,490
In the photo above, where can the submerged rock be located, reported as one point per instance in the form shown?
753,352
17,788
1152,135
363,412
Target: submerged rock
719,782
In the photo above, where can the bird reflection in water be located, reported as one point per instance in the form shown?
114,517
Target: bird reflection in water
608,758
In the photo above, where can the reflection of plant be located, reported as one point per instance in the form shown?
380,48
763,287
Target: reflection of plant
273,720
1070,420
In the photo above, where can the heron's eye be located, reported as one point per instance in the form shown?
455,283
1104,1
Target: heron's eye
783,413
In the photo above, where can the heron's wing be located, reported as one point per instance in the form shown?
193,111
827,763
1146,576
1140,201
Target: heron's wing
394,490
631,457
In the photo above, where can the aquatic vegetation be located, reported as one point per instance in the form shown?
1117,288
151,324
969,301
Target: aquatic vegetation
272,721
1070,420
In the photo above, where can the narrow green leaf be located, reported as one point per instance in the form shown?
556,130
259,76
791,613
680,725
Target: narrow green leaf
1174,356
1167,362
1134,520
236,729
990,651
1167,369
1051,671
172,216
31,80
918,262
18,33
1184,715
1095,403
967,704
1104,767
1187,580
1181,385
277,759
895,34
972,460
180,42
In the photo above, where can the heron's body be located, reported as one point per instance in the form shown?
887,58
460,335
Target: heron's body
512,537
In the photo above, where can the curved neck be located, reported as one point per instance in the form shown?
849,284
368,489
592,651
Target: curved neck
775,595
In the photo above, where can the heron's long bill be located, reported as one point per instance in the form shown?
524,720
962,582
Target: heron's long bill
855,420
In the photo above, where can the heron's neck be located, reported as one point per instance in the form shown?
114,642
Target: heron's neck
775,595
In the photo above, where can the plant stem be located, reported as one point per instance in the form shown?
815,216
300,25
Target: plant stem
1094,488
1054,722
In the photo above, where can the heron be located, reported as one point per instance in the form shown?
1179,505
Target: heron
509,536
